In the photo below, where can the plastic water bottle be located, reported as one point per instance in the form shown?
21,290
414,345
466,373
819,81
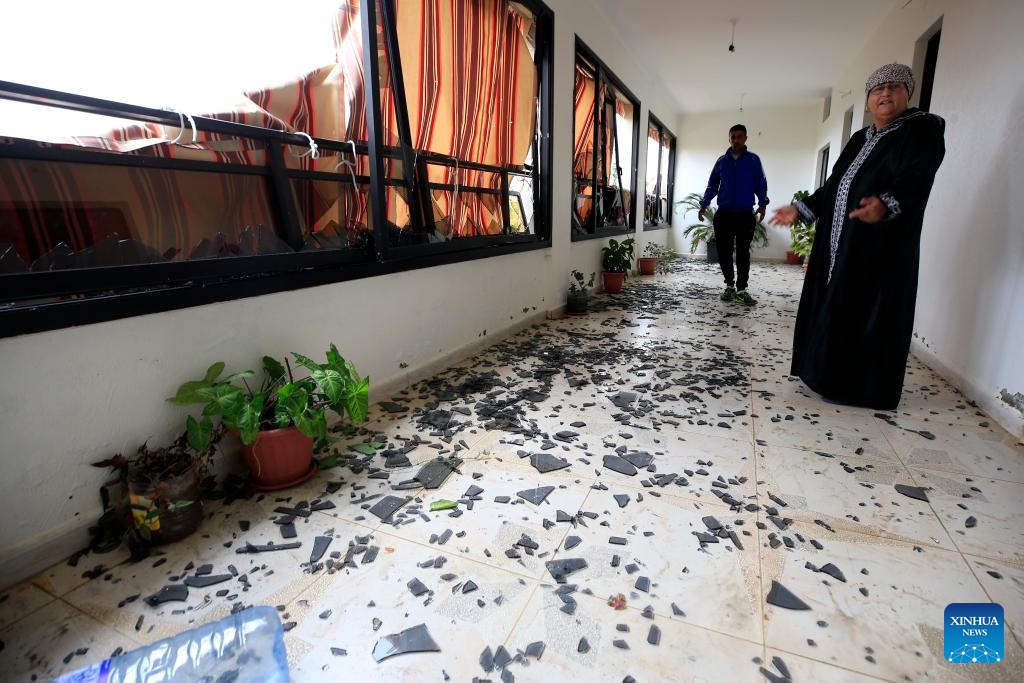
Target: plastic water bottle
247,647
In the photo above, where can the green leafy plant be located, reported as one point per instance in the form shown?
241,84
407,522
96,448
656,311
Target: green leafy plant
576,300
801,232
697,233
281,400
617,256
705,230
155,484
578,285
664,254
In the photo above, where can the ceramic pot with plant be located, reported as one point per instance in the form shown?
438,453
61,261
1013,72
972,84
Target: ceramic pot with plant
162,492
648,263
280,422
579,293
801,233
616,259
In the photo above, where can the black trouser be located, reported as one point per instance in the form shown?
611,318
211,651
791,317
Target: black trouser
734,229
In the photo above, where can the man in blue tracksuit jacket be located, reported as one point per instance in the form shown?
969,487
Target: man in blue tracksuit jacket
736,178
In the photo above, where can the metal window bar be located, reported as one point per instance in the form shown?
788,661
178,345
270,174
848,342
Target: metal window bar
132,281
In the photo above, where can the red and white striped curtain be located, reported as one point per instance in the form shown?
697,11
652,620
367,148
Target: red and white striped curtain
471,87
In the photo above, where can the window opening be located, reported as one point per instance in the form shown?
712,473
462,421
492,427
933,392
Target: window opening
387,149
658,181
823,165
606,138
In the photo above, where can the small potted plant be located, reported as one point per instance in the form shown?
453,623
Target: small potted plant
576,301
648,263
663,256
280,422
802,235
616,258
162,492
703,232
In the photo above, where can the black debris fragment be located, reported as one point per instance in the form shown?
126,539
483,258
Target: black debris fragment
175,593
387,506
915,492
537,495
415,639
620,465
206,581
320,544
780,596
560,569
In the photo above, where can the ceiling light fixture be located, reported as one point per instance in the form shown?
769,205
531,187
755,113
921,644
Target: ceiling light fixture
732,41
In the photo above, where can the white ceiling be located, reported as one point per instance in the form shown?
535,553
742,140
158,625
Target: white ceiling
787,51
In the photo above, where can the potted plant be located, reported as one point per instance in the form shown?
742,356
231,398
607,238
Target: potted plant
801,233
161,496
662,256
616,258
705,231
648,263
279,423
576,301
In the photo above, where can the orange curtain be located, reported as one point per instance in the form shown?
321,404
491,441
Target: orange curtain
471,88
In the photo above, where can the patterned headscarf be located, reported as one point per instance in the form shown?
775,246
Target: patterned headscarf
891,73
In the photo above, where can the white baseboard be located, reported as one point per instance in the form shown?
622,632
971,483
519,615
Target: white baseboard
383,390
38,555
1010,419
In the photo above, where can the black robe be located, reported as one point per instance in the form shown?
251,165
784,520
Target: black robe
856,314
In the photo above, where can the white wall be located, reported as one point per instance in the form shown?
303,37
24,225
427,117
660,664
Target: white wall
970,305
785,140
75,396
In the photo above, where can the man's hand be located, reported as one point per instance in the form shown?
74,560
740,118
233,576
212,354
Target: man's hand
784,215
760,213
700,215
872,209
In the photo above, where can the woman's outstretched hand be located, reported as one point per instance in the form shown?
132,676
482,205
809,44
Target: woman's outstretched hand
784,215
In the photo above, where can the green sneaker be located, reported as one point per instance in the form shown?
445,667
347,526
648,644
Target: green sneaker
743,297
729,294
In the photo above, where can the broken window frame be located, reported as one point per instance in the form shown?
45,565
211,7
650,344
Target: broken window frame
665,185
605,81
55,299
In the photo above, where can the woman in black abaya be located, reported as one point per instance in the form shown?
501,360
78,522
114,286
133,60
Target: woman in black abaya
856,312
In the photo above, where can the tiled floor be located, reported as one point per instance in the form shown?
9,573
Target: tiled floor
791,484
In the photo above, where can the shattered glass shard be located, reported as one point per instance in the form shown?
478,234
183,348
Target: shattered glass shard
780,596
537,495
545,462
560,569
415,639
617,464
387,506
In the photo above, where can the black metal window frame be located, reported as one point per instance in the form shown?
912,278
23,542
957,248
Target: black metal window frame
603,73
666,221
115,292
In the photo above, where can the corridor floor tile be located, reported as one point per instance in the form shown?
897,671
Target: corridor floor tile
633,492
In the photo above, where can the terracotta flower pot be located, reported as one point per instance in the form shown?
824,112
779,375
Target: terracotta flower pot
279,459
648,265
613,281
793,260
